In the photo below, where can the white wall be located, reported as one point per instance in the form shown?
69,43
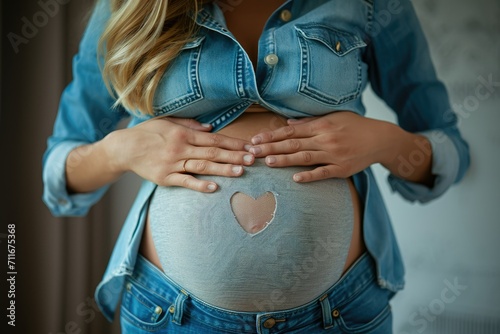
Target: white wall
456,237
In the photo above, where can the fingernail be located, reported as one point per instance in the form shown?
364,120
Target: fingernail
297,178
248,147
270,160
237,169
256,140
248,158
212,187
206,125
256,150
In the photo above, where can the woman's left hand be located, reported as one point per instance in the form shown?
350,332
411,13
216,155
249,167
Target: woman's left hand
341,144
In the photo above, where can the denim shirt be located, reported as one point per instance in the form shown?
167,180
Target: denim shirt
315,57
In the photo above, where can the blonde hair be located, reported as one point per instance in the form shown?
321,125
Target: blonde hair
141,39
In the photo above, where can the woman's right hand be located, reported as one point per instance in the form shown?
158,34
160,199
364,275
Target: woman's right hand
167,150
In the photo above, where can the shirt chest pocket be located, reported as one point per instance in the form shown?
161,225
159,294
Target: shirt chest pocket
180,85
330,69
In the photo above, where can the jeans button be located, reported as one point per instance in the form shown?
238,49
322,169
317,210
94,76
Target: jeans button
269,323
336,313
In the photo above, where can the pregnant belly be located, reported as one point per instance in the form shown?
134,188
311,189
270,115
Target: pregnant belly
260,243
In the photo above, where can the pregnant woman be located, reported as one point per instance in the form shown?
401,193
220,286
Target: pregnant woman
259,212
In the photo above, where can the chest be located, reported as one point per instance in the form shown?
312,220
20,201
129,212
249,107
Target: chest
308,64
246,20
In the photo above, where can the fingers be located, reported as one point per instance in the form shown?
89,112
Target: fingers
286,132
216,155
190,182
309,158
217,140
320,173
288,146
186,180
303,158
204,167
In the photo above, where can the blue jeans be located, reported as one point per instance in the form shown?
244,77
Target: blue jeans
152,303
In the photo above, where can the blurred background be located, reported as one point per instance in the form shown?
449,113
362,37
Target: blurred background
450,246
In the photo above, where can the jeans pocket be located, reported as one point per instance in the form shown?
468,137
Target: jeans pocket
380,324
142,309
338,79
368,312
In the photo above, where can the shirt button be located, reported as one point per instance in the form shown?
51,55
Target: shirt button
271,59
338,46
285,15
269,323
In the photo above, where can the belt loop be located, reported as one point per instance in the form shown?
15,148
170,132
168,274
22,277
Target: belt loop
179,307
327,313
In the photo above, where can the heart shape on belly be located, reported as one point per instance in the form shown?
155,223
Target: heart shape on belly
253,214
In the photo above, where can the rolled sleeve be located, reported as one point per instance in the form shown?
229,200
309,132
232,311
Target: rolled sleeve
403,75
445,168
86,115
55,195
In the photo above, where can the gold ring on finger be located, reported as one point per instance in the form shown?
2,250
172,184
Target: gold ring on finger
184,165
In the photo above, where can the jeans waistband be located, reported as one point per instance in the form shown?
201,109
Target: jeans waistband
186,306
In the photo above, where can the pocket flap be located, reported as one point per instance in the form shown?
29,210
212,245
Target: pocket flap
340,42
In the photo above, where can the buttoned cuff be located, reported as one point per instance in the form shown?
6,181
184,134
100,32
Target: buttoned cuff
445,168
55,194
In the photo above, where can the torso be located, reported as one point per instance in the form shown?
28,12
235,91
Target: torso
251,18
